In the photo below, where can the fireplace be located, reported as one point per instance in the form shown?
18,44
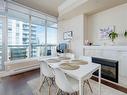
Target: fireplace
109,68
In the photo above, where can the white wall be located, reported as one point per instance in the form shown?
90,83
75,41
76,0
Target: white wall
76,25
91,24
115,16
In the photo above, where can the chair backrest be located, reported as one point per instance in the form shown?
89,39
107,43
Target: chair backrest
46,70
70,55
61,81
86,58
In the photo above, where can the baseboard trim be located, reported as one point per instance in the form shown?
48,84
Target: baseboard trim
18,71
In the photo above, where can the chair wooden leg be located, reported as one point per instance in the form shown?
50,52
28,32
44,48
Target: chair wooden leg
87,81
52,81
47,80
89,86
76,93
58,91
41,83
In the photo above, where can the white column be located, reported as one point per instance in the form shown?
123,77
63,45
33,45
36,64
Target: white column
46,37
30,22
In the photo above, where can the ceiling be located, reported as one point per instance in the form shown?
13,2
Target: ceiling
47,6
89,7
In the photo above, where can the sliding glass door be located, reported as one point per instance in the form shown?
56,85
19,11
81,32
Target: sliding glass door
30,36
26,33
37,37
51,38
18,35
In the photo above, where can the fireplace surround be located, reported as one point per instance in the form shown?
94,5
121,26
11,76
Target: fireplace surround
109,68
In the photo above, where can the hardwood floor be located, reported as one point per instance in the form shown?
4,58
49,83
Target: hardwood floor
17,84
115,86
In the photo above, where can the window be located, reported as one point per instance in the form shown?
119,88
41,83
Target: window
18,35
1,32
22,41
25,41
37,37
51,37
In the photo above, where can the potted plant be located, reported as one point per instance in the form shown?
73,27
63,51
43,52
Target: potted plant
125,34
113,36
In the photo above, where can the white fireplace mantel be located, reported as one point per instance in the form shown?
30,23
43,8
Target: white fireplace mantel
110,52
117,48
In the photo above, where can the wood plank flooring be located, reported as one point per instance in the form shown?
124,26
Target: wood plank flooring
115,86
17,84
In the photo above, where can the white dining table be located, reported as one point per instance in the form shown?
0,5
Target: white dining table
81,73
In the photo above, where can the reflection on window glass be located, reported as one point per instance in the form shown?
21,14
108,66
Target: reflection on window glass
51,24
38,37
51,35
22,43
18,35
51,40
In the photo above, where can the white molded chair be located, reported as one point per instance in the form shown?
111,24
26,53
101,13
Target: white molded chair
70,55
65,85
86,58
45,69
47,72
89,60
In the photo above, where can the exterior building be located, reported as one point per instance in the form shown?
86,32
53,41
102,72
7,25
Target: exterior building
18,39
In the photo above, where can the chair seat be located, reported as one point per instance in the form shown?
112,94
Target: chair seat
74,83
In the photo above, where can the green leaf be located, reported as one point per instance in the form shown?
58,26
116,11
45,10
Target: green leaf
113,36
125,34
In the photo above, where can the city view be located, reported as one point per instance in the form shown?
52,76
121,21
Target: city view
19,46
18,35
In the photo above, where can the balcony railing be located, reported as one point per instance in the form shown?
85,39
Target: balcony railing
22,51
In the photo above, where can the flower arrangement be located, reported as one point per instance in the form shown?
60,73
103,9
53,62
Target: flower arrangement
104,32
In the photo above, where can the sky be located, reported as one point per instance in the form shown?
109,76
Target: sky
51,35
